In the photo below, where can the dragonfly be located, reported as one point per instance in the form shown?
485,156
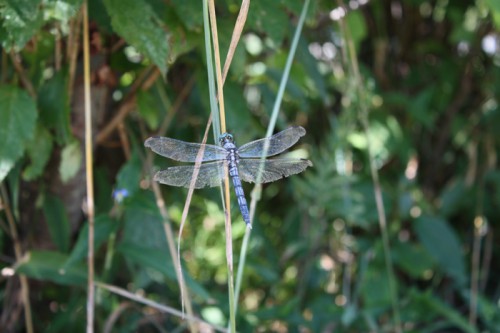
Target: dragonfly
242,163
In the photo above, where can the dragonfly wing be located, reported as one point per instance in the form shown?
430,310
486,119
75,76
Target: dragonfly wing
278,143
184,151
271,169
209,175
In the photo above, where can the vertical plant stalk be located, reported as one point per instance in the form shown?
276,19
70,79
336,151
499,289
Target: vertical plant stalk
72,51
235,38
58,48
479,225
88,171
178,264
186,301
227,198
382,219
25,291
256,192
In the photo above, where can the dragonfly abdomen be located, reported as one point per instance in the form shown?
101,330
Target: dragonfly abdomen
240,195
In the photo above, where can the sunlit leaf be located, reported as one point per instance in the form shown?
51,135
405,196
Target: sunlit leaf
71,161
17,125
357,26
494,7
137,23
148,108
21,20
129,175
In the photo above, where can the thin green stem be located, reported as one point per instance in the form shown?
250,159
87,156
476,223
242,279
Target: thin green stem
210,72
89,172
256,193
363,116
210,24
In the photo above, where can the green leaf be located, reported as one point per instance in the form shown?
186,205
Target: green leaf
160,260
137,23
494,7
57,220
433,305
412,258
269,17
452,198
103,228
17,125
54,107
48,266
357,26
143,222
39,153
375,287
71,161
190,13
442,244
130,175
21,19
148,109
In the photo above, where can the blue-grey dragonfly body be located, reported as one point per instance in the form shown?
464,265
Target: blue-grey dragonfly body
242,163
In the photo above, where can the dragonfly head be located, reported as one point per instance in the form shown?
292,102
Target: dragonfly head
225,137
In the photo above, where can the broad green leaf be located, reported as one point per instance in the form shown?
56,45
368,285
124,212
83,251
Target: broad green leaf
129,175
143,222
71,161
190,13
160,260
39,153
412,258
57,220
452,198
494,7
433,305
148,109
48,266
357,27
17,125
442,243
137,23
21,19
103,227
375,288
54,107
270,18
62,10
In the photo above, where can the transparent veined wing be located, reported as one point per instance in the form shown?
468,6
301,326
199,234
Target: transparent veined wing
278,143
272,169
184,151
210,175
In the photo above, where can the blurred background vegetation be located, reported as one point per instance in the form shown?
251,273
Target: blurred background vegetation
429,81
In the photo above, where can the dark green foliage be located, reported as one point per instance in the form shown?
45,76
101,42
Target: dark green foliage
17,125
316,260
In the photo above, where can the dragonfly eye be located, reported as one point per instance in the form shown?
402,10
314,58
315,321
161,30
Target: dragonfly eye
225,137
